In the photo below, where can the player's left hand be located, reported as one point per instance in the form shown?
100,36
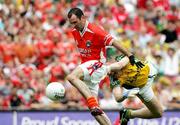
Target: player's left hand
139,64
133,61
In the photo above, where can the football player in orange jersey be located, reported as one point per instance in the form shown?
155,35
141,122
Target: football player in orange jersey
91,41
138,81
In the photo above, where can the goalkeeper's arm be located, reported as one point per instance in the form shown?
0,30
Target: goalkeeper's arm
114,67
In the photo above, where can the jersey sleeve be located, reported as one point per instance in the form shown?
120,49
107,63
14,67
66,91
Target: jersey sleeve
103,36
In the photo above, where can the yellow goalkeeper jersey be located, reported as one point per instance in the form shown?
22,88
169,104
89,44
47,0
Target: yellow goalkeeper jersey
131,76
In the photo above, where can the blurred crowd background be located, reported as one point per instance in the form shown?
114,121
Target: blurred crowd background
36,47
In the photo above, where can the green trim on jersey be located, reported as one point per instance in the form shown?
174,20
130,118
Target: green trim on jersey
119,57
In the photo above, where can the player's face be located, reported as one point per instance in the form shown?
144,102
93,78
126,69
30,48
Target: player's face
76,22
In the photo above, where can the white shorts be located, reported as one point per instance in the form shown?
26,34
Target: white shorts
146,92
93,78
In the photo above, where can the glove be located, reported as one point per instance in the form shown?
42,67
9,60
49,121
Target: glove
96,111
133,61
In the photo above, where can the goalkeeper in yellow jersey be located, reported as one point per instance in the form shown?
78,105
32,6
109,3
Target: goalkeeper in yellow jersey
138,81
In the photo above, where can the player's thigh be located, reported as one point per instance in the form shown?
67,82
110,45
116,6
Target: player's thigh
148,97
153,105
78,72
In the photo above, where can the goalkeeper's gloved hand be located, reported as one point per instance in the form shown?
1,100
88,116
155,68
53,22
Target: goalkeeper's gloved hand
133,61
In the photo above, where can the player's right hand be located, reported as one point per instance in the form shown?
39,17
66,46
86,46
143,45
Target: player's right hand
133,61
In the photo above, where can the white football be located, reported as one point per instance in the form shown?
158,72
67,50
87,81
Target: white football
55,91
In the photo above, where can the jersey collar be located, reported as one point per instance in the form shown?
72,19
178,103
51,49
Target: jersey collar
85,28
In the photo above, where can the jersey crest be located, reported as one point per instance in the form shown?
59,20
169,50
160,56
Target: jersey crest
88,43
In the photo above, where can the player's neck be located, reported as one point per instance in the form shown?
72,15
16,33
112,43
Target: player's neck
84,26
82,29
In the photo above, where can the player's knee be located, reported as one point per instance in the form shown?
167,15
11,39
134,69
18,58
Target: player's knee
71,78
159,112
118,97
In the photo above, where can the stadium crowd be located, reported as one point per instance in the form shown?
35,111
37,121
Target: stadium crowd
36,48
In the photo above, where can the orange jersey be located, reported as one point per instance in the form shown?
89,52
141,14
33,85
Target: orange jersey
91,42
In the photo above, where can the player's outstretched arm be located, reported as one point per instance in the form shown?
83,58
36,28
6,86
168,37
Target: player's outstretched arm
123,50
131,57
114,67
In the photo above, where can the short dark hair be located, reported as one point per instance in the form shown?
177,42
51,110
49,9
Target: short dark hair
76,11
